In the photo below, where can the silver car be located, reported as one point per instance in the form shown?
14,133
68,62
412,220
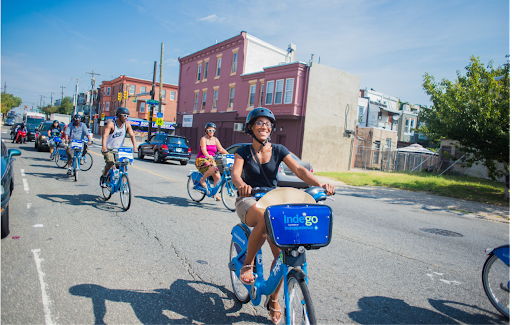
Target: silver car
285,177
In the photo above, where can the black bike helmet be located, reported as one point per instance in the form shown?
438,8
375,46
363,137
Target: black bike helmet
210,125
122,110
253,115
55,121
77,116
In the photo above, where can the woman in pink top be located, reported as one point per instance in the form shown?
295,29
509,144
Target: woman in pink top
204,160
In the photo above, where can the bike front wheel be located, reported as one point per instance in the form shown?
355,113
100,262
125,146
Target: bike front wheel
241,292
60,162
76,167
301,309
195,195
126,193
496,281
228,194
86,162
107,190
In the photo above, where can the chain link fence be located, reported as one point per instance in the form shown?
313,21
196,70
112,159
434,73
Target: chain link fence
389,159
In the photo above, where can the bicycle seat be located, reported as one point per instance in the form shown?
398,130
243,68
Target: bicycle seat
284,195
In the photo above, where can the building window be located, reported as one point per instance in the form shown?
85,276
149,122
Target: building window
376,152
262,88
142,107
173,95
360,114
108,91
132,89
409,126
252,95
231,97
206,69
163,93
288,92
235,59
196,99
107,107
279,91
199,67
388,143
219,63
269,92
215,98
204,100
142,89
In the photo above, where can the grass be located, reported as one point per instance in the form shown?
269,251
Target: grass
461,187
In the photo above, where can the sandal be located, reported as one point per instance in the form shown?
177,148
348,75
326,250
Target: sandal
217,198
272,310
242,274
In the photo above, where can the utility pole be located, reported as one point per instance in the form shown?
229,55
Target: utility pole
51,98
75,100
93,83
160,86
151,106
62,98
5,87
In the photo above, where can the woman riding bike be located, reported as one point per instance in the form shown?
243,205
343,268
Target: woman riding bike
54,131
209,145
259,125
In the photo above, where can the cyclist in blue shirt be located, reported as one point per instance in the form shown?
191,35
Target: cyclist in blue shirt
259,125
76,130
54,131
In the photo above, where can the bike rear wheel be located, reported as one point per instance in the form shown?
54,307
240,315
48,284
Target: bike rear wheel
76,167
241,292
195,195
126,193
496,281
86,162
60,162
107,190
301,309
228,194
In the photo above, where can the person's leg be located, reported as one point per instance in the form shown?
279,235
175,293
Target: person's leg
208,173
253,218
216,176
69,153
274,307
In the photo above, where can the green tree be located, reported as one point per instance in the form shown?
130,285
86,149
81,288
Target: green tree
474,110
49,110
66,106
9,101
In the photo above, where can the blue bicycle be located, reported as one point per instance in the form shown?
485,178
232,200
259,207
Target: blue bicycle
496,278
228,191
61,158
117,177
294,228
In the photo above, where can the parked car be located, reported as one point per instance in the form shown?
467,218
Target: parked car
9,121
166,147
7,185
41,141
285,177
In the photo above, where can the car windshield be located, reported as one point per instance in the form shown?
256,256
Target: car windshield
46,127
34,120
176,141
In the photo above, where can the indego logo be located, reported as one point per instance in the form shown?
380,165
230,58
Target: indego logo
304,219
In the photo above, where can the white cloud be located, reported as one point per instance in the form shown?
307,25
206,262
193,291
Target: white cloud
211,18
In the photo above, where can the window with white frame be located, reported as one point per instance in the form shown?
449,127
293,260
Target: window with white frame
360,114
409,126
252,95
107,107
388,143
219,63
204,100
173,95
142,107
132,89
196,99
235,59
262,88
279,91
108,91
206,69
231,97
199,67
269,92
142,89
163,93
288,91
215,98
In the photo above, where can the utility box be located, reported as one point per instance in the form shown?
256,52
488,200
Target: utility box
238,127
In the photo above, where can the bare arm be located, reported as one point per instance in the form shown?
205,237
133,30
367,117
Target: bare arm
132,136
244,189
306,175
220,148
106,133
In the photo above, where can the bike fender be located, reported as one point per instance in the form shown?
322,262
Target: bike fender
503,253
300,273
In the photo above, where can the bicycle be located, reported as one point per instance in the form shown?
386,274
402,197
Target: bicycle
496,278
60,156
294,228
227,189
117,178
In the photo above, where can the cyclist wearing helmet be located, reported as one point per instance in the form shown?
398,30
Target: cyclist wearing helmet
54,131
113,138
209,145
76,130
259,125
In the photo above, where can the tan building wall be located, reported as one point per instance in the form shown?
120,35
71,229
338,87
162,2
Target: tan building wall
331,108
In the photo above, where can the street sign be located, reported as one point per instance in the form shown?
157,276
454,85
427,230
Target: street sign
152,102
134,99
160,115
159,121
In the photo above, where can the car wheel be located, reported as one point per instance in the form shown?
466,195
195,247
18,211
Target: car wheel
156,156
183,162
5,222
37,146
140,154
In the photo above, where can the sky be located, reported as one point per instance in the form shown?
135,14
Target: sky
390,44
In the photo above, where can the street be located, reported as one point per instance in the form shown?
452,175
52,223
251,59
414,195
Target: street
74,258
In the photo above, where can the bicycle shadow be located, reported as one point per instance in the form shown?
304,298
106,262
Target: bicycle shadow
59,176
83,199
185,202
444,307
185,302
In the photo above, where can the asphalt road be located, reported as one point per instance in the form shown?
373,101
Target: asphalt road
72,258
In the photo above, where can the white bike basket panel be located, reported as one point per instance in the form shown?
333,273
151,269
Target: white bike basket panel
125,154
76,144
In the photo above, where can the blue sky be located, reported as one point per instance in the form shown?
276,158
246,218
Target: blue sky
389,44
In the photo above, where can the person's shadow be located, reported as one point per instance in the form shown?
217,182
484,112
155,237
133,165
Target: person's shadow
182,299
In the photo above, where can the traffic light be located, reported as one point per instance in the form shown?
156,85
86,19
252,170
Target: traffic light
125,94
119,96
148,115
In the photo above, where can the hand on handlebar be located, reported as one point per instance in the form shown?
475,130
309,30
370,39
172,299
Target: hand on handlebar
329,189
244,190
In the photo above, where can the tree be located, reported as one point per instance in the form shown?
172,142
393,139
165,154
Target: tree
49,110
474,110
9,101
66,106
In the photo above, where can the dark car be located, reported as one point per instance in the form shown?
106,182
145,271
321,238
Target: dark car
41,141
7,184
166,147
285,177
9,121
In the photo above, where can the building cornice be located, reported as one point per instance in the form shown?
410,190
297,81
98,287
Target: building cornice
214,49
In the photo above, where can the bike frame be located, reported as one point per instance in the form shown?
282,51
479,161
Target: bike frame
503,253
76,159
213,190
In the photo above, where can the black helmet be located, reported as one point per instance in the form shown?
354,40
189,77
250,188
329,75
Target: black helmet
253,115
55,121
22,125
210,125
77,116
122,110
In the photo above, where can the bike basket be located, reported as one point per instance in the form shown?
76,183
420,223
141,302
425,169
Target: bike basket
225,162
76,144
57,139
125,154
293,225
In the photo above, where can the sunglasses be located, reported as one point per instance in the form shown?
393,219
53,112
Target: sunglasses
78,118
211,130
261,123
124,115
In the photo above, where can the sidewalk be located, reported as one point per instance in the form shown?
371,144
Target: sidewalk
424,200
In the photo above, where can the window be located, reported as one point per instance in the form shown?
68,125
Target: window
231,97
288,92
206,69
279,91
108,91
132,89
388,143
142,107
199,67
270,92
215,98
376,152
360,114
235,60
142,89
204,100
163,93
196,99
252,95
262,88
108,106
173,95
409,126
219,63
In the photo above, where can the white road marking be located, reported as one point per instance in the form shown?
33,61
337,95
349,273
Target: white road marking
22,172
46,299
29,205
38,225
25,185
450,282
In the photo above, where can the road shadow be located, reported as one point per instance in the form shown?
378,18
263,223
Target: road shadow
59,176
94,201
186,202
483,317
185,302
